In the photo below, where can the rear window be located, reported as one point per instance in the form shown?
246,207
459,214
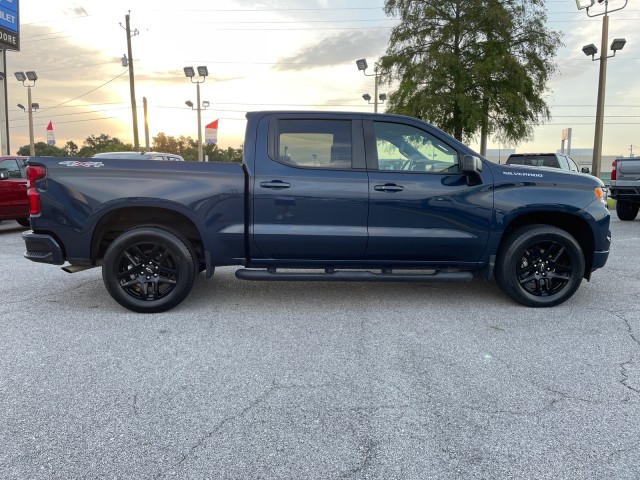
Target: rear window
534,161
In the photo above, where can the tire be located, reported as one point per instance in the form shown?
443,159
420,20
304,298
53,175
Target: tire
24,222
626,211
148,270
540,266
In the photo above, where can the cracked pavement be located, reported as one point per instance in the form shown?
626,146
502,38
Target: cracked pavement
319,380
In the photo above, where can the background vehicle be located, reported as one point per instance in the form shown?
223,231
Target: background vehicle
625,187
171,157
348,196
14,204
554,160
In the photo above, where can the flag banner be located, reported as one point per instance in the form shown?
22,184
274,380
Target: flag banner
51,138
211,133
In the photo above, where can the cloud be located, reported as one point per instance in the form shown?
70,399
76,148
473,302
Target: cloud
77,10
337,49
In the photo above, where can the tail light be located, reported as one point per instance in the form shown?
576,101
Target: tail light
614,174
34,173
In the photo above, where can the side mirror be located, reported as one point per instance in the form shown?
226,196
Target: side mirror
472,168
585,170
4,174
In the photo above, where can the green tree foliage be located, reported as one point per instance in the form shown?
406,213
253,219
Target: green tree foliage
470,66
103,143
188,149
184,146
43,149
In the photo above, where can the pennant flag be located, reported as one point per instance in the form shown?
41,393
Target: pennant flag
211,133
51,138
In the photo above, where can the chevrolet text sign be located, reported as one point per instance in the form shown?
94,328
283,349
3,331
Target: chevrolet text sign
9,25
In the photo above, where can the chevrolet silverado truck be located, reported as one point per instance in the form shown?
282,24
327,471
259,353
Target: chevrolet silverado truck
625,187
325,196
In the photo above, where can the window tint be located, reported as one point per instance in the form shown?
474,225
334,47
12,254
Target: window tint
315,143
405,148
12,167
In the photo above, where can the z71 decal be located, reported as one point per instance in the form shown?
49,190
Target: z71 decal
73,163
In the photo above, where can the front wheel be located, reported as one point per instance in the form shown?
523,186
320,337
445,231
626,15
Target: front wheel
148,270
540,266
626,211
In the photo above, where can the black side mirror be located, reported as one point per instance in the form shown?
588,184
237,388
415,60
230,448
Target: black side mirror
585,170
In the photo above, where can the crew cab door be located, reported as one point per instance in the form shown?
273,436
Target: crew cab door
310,190
13,191
421,205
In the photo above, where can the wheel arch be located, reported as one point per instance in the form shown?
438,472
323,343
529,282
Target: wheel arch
576,226
116,221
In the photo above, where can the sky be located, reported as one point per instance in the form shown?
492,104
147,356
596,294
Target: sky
272,54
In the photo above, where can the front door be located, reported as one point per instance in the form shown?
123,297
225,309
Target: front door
421,207
13,191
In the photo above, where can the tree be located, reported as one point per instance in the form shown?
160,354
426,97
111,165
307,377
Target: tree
103,143
71,148
473,65
43,149
188,149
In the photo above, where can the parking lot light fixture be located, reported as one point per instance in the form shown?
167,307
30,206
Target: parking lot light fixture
591,50
203,73
363,65
28,80
189,103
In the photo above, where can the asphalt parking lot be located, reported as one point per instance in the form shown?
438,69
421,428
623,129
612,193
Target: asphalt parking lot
319,380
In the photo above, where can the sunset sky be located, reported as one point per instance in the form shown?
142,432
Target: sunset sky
274,54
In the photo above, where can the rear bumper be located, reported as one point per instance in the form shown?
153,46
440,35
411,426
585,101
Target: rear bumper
42,248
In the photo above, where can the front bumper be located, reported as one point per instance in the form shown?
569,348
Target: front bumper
42,248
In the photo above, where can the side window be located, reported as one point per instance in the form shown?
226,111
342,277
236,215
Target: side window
12,167
409,149
572,165
563,162
315,143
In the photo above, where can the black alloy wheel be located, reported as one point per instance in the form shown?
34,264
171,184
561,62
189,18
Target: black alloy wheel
540,266
148,270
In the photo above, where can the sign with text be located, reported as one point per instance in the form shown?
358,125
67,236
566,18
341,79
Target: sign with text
9,25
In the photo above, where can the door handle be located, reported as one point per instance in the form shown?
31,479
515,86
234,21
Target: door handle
275,184
389,187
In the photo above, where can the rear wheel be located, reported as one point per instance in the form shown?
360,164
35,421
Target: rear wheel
148,270
626,211
540,266
24,222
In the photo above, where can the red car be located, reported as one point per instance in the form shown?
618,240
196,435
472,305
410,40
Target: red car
13,190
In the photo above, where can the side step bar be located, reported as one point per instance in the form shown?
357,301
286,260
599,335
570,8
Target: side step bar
331,275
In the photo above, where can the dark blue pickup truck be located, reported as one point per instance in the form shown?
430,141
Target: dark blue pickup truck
320,196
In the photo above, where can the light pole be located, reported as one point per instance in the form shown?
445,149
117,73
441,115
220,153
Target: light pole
28,80
591,50
362,65
203,72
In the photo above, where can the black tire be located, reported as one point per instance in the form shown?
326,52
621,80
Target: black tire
148,270
540,266
626,211
24,222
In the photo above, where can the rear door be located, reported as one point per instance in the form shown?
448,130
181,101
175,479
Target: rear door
421,207
310,190
13,190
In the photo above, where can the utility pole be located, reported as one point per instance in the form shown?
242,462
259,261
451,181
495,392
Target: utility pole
136,143
146,125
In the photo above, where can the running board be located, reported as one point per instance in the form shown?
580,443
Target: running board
331,275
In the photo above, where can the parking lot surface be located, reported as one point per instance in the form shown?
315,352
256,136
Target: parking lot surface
306,380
